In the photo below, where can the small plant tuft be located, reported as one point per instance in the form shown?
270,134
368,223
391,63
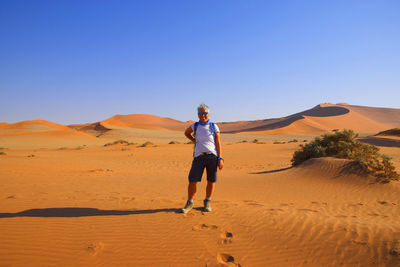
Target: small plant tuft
343,144
279,142
174,142
146,144
119,142
3,153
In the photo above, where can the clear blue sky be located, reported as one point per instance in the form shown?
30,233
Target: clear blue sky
84,61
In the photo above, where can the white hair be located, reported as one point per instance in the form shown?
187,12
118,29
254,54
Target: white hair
203,106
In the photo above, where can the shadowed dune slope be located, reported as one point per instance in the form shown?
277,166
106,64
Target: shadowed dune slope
96,129
390,132
327,117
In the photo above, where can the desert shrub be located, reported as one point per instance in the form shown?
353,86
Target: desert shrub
279,142
3,153
119,142
293,141
343,144
174,142
147,143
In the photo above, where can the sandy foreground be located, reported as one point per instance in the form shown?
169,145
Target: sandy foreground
119,206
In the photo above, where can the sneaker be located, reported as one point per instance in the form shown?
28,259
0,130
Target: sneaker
188,207
207,205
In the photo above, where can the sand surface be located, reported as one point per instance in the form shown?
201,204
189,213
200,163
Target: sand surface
119,206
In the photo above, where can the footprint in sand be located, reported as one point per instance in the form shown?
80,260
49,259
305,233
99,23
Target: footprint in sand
226,238
95,248
395,251
383,202
9,197
203,226
252,203
227,259
308,210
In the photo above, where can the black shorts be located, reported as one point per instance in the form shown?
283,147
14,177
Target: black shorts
208,161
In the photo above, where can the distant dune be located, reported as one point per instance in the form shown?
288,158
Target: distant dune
144,121
41,133
320,119
325,118
317,120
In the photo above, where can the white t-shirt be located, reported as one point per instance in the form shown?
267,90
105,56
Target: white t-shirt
205,139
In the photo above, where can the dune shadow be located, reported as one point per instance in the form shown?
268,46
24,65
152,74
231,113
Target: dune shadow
272,171
378,141
81,212
325,111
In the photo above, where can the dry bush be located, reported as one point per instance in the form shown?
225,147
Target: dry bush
147,143
279,142
343,144
119,142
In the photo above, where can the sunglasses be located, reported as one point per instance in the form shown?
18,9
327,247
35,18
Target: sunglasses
202,113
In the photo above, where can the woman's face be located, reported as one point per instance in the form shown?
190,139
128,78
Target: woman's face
203,115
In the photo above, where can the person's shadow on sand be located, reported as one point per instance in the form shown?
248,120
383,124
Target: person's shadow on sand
81,212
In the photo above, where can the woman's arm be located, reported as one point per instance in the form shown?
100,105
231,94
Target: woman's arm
218,146
188,134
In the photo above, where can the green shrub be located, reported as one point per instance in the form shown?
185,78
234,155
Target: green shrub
343,144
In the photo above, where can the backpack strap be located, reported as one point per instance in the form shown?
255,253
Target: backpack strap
196,124
212,126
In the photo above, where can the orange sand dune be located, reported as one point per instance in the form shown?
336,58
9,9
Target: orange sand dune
327,117
119,206
322,118
41,134
145,121
38,127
